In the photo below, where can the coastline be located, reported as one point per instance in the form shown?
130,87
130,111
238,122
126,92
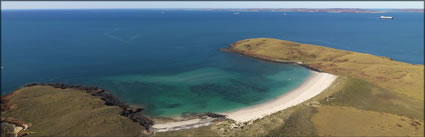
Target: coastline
190,120
312,86
131,112
269,59
317,82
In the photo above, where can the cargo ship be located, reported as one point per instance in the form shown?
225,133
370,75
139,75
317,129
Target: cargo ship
386,17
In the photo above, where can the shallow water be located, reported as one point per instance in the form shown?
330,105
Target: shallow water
171,63
203,90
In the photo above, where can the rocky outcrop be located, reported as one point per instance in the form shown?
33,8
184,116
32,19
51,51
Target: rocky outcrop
142,120
13,128
133,113
214,115
191,115
136,115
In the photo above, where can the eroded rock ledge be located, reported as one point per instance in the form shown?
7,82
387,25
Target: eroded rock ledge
14,128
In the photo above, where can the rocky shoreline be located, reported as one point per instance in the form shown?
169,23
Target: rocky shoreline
265,58
134,113
188,116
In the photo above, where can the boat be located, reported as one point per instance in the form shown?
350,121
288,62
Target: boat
236,13
386,17
284,14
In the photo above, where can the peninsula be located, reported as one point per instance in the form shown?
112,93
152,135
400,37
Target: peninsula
372,96
347,94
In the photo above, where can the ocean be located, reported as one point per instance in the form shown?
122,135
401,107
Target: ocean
169,62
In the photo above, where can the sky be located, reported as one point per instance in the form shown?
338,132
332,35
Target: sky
207,4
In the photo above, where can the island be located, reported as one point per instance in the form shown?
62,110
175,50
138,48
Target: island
348,94
326,10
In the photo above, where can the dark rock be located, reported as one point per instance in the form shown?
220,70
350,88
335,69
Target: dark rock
30,84
128,111
142,120
214,115
110,100
311,68
192,115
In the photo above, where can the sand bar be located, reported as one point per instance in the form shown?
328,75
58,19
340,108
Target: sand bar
312,86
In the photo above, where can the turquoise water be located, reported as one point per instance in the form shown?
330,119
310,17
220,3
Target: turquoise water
171,63
203,89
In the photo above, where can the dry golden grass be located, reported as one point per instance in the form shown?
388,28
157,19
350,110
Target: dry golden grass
374,96
363,95
348,121
350,94
68,112
369,85
404,78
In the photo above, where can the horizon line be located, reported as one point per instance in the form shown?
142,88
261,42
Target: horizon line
198,8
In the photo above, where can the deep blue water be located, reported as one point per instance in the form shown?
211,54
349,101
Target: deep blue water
135,53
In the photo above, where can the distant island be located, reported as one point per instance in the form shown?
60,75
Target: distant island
331,10
407,10
326,10
372,96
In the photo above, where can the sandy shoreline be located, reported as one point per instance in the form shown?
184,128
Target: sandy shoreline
187,124
311,87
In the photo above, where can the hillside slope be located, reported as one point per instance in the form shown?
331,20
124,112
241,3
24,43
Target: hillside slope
404,78
67,112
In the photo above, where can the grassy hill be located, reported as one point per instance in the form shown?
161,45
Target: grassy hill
68,112
373,96
403,78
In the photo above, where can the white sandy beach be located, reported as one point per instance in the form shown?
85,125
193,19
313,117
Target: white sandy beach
193,123
313,86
